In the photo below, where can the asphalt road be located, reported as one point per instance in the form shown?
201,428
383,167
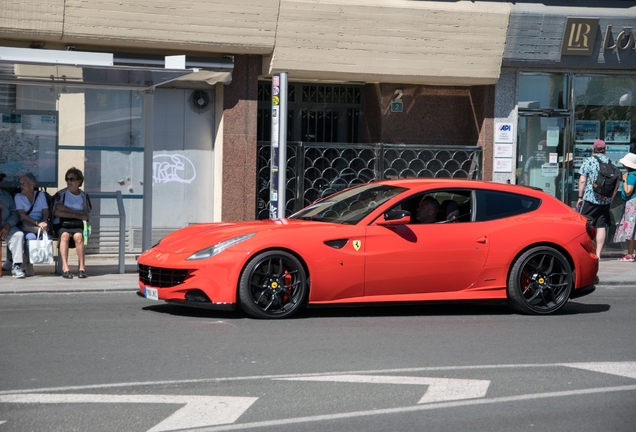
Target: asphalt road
116,362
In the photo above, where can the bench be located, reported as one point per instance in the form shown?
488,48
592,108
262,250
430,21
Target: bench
120,215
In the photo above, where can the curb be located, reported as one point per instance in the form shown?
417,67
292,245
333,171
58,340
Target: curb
72,291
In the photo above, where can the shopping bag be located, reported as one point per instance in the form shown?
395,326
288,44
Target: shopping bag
41,251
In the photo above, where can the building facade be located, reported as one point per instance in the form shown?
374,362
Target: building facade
568,78
167,102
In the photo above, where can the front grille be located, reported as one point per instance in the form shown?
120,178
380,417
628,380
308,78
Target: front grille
161,277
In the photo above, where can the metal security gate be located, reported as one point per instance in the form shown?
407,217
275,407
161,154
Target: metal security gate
315,170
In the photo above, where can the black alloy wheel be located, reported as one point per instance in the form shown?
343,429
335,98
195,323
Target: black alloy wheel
540,281
273,285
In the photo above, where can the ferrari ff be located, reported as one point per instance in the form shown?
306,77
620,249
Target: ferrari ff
365,245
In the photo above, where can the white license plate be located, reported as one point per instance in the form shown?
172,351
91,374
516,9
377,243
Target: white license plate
151,293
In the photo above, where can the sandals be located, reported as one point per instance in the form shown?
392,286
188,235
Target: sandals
628,258
67,275
82,274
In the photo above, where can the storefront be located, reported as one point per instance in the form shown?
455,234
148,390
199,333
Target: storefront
568,78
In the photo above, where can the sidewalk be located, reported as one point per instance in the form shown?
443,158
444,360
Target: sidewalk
104,277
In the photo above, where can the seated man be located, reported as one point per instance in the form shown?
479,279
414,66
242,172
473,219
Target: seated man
9,230
428,209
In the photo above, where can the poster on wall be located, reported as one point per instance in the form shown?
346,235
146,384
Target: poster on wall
28,142
552,136
587,130
613,151
618,131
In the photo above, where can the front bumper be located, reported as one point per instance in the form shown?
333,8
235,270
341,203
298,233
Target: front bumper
198,304
583,291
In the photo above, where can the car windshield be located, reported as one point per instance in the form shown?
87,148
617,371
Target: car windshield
349,206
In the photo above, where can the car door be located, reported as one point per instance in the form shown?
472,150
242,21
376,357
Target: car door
424,258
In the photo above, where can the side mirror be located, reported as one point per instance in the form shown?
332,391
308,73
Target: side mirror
395,217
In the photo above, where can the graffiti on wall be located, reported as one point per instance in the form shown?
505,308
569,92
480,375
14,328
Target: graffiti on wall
168,168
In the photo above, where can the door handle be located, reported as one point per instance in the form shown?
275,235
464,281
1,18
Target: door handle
481,240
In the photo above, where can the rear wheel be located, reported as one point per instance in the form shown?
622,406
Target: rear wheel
272,285
540,281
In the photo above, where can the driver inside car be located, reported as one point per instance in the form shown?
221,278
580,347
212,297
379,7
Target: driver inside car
427,210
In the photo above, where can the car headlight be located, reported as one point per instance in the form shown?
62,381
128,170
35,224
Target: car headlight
219,247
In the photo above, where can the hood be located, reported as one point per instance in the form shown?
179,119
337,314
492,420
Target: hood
196,237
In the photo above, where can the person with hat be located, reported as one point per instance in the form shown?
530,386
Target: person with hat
593,206
627,227
9,230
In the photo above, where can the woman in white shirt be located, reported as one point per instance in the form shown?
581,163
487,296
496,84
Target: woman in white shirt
31,206
71,208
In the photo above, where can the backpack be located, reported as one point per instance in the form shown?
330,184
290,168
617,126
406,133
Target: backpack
607,179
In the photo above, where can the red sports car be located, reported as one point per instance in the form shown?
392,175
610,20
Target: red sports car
367,244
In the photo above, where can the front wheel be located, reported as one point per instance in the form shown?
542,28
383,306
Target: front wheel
272,285
540,281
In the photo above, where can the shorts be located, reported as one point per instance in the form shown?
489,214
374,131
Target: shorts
597,214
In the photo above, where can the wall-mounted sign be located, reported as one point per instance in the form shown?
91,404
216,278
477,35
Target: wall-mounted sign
503,165
579,36
504,133
503,150
396,104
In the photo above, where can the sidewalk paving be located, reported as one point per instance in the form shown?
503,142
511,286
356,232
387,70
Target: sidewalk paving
104,276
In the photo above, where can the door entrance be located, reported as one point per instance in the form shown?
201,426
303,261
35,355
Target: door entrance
544,154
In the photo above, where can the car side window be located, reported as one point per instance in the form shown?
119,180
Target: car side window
493,205
454,205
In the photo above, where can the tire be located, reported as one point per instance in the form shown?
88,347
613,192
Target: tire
540,282
273,285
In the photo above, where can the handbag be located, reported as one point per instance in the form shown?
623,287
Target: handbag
28,226
41,251
71,223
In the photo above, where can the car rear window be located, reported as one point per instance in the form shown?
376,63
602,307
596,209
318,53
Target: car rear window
493,205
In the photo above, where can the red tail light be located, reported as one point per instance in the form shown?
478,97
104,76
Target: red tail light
591,231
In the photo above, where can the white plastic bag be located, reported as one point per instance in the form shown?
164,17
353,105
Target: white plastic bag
41,251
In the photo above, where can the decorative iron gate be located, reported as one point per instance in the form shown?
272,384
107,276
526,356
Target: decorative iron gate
315,170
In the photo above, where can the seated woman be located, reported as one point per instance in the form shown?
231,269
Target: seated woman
71,207
33,211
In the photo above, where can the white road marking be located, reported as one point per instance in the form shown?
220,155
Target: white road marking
617,368
626,369
199,411
439,390
416,408
283,376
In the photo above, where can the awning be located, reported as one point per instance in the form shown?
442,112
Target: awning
88,69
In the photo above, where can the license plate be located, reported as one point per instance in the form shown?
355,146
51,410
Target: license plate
151,293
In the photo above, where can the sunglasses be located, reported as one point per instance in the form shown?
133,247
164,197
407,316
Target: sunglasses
70,179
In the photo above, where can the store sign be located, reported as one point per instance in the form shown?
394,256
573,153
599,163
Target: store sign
624,40
579,36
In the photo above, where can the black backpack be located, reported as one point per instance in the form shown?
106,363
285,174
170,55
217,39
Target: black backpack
607,179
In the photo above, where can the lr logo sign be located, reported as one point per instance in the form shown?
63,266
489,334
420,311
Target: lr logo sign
579,36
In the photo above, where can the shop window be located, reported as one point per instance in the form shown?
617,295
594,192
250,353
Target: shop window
604,109
543,91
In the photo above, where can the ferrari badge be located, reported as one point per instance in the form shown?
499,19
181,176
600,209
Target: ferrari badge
357,244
